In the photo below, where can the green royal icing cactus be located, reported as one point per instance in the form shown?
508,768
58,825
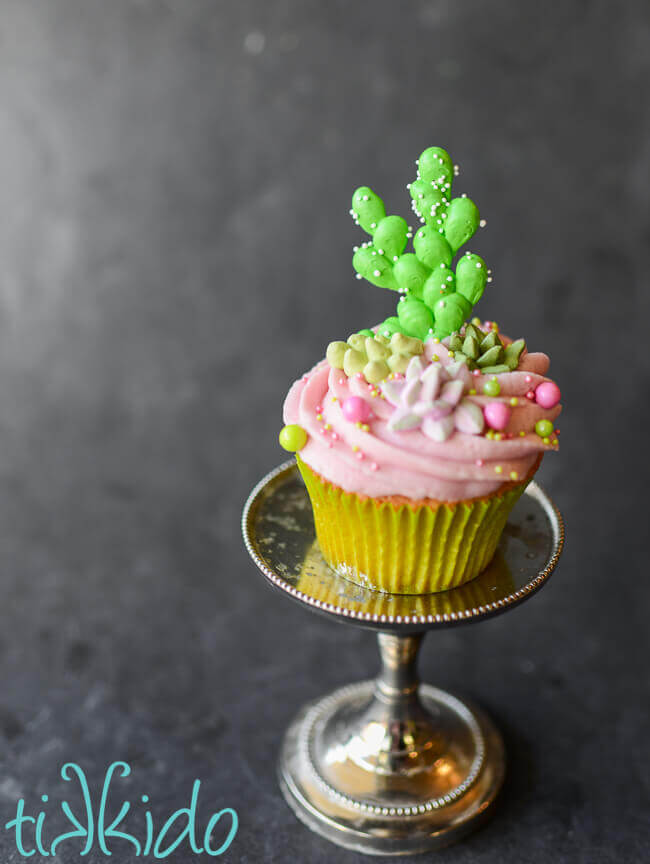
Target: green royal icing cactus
437,300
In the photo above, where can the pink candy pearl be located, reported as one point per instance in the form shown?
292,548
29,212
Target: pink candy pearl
356,410
497,415
548,394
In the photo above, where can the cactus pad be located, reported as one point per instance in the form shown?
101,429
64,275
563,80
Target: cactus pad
367,209
415,317
435,166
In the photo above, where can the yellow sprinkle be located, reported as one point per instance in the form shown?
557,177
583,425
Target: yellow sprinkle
522,433
555,441
451,354
334,399
319,416
546,440
383,395
373,393
495,326
514,401
328,425
489,434
436,340
514,475
498,469
434,357
498,436
472,392
365,427
355,448
358,424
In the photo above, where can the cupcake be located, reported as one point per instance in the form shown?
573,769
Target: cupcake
416,437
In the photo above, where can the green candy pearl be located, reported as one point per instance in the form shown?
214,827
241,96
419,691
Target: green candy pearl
293,438
544,428
493,388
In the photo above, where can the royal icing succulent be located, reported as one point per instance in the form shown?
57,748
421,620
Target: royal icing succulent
431,397
436,298
483,348
375,356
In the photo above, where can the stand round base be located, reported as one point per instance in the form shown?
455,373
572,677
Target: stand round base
368,781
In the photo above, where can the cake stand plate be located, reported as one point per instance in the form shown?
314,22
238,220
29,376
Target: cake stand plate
392,766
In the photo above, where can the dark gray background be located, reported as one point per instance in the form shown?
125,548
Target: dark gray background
174,250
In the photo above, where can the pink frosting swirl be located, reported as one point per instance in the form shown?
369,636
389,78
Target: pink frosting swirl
380,462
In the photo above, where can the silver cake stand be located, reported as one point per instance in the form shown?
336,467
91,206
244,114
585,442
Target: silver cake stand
392,766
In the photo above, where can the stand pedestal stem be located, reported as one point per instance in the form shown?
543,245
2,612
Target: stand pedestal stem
398,679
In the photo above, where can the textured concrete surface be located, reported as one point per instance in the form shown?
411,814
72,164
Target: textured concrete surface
175,248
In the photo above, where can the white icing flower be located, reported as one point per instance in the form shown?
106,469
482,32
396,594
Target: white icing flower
431,397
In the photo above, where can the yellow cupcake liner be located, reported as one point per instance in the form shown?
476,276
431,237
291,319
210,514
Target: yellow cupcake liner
319,582
407,548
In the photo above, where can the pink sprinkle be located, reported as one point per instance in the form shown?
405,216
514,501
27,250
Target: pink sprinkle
528,379
322,431
335,436
476,372
374,466
479,462
341,380
358,376
319,409
359,455
305,377
530,395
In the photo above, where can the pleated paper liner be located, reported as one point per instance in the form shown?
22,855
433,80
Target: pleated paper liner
405,549
317,580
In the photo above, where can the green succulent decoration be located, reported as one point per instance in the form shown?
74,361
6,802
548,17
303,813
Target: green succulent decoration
437,299
484,350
